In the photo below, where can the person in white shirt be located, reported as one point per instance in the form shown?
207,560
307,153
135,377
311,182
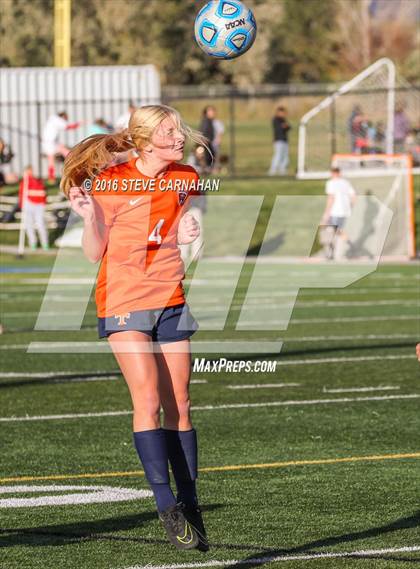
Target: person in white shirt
219,130
123,120
120,125
340,200
50,144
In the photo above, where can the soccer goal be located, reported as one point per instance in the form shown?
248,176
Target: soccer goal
357,118
389,179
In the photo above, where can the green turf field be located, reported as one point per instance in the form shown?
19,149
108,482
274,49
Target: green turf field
314,464
254,508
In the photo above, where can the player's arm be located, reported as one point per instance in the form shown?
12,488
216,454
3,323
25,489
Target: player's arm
188,229
353,196
95,231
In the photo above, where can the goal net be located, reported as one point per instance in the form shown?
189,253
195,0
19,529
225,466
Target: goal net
360,117
388,178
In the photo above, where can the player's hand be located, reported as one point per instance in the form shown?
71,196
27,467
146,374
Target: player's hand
188,229
81,203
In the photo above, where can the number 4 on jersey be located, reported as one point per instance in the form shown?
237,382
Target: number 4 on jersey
155,236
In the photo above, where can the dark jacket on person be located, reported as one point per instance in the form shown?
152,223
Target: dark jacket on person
207,128
280,128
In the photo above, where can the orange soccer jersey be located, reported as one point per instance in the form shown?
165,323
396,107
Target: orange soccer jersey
141,267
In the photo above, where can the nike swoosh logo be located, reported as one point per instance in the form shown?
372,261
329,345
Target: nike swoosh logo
186,538
133,202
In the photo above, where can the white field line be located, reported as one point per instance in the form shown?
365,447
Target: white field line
347,290
270,300
317,304
80,379
236,307
297,339
76,281
390,276
36,293
91,281
76,379
54,281
357,303
51,297
25,313
311,320
344,360
87,379
289,339
328,320
362,389
261,385
216,407
84,495
356,319
44,374
278,558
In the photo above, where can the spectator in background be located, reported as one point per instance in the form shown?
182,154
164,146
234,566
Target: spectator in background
120,125
371,137
32,200
360,133
208,130
49,140
281,128
99,126
124,119
350,127
340,200
7,176
219,130
412,145
401,129
380,137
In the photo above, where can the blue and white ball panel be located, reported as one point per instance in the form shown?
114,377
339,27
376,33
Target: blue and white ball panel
208,33
225,29
229,9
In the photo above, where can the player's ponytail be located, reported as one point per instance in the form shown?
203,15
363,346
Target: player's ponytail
89,157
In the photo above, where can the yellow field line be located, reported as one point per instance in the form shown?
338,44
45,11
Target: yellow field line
218,468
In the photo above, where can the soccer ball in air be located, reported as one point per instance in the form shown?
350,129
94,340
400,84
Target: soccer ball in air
225,28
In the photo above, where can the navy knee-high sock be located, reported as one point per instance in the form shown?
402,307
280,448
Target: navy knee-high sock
152,450
182,452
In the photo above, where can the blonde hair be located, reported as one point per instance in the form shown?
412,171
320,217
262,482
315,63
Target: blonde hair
94,153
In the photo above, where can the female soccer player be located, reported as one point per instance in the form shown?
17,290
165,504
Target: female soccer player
139,295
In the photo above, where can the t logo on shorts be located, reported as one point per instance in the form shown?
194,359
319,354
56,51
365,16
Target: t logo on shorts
122,318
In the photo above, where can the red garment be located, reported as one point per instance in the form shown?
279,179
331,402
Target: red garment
35,190
72,125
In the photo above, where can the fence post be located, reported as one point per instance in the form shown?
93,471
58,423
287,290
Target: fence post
333,132
232,132
38,128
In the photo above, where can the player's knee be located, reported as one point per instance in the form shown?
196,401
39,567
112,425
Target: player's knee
147,408
178,411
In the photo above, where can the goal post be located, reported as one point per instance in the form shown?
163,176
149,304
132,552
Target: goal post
389,179
357,117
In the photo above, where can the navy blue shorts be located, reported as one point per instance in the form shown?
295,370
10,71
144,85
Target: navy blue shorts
163,325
